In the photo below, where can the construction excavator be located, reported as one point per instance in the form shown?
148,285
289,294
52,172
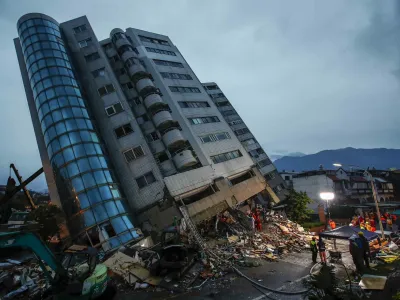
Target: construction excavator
76,276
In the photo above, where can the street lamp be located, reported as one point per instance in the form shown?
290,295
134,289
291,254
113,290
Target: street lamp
374,193
327,196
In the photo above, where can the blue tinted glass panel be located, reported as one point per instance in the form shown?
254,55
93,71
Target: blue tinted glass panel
111,208
68,154
105,192
126,237
121,206
94,196
77,183
83,199
100,178
88,217
95,162
89,148
83,165
114,242
88,180
73,169
74,137
127,222
99,213
118,225
79,151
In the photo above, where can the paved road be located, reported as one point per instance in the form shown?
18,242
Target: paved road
286,274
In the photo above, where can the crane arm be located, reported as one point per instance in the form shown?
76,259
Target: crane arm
22,185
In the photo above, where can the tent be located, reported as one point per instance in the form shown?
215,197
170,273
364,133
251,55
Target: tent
396,212
345,232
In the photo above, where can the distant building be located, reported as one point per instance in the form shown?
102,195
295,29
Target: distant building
349,187
287,176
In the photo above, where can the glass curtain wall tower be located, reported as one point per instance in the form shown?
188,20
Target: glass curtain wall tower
88,191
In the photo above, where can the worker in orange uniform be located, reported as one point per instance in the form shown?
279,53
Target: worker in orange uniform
257,219
332,224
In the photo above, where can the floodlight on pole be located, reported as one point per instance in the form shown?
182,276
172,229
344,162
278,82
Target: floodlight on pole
337,165
327,196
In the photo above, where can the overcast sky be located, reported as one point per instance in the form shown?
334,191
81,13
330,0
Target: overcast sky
304,75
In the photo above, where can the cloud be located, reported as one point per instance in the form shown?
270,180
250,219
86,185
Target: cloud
304,75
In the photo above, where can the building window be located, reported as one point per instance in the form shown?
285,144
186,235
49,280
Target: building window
263,163
287,177
182,89
176,76
133,153
99,73
241,131
209,138
107,46
212,87
141,119
137,101
203,120
79,29
123,130
223,103
226,156
107,89
114,58
270,175
248,142
277,189
127,86
84,43
228,113
145,180
162,156
236,122
160,51
114,109
153,40
168,63
151,137
193,104
121,71
92,57
219,95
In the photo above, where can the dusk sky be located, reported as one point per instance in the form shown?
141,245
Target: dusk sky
304,75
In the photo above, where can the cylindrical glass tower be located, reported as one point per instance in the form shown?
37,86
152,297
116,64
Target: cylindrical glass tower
89,193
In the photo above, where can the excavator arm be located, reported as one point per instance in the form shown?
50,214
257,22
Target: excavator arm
30,241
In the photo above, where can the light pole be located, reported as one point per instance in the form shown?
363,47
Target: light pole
374,193
327,196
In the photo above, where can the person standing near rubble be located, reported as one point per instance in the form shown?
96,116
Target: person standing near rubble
314,249
321,249
365,248
356,253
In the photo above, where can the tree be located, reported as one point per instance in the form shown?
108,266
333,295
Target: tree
297,206
49,218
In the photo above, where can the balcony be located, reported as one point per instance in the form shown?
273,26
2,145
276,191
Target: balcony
153,101
184,159
162,119
267,169
137,68
167,168
121,42
127,54
252,147
173,138
143,83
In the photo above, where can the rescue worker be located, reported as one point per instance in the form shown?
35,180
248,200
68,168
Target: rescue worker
314,249
332,224
365,248
321,249
356,253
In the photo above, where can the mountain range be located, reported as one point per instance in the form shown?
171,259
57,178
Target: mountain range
378,158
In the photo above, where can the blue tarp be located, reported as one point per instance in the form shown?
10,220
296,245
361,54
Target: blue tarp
396,212
345,232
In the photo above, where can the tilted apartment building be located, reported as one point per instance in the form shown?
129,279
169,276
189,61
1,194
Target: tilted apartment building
122,127
248,140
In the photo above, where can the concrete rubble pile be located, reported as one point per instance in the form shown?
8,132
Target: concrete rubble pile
234,242
21,279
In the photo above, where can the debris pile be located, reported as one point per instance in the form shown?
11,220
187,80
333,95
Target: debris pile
232,240
21,279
